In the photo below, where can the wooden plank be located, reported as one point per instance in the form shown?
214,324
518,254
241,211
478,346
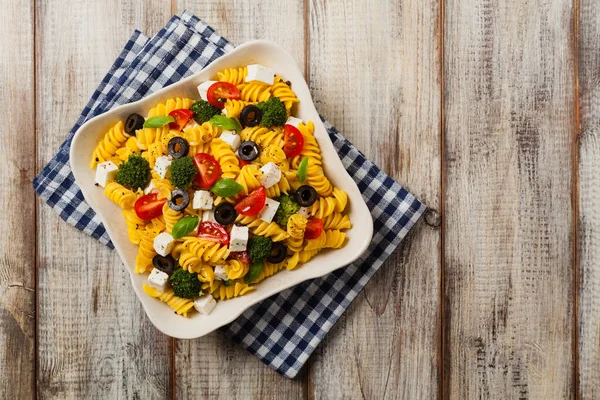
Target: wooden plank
589,198
509,112
375,74
94,338
213,367
17,249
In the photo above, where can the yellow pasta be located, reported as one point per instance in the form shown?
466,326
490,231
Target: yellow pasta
255,91
284,92
135,226
331,239
326,206
209,252
262,228
234,76
128,149
171,217
201,134
226,157
112,141
337,220
143,261
120,195
146,136
263,136
296,226
236,269
228,292
179,305
233,108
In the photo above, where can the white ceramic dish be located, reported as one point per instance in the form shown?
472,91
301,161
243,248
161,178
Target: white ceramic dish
162,316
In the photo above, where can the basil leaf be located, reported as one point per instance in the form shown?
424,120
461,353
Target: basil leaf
254,272
226,187
158,122
225,123
184,226
302,169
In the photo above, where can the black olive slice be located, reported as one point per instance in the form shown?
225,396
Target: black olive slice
225,214
178,147
306,196
133,123
250,116
278,253
164,264
248,150
180,199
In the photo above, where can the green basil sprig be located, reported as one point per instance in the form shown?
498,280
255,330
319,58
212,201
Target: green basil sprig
226,123
302,169
184,226
226,187
254,272
158,122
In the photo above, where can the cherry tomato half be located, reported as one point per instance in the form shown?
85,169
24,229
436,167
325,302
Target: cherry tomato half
149,206
182,116
241,256
253,203
213,232
218,92
293,141
314,228
209,170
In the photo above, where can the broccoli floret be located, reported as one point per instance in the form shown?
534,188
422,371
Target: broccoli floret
134,173
185,284
259,248
183,171
274,112
204,111
287,207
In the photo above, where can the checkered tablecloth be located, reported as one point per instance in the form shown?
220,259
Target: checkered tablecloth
283,330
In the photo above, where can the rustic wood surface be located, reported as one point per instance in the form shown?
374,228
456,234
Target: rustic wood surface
487,110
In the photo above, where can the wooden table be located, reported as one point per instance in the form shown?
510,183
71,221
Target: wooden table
488,110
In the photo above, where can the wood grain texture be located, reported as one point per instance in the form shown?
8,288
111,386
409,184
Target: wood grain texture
589,199
375,75
94,338
509,112
17,249
212,367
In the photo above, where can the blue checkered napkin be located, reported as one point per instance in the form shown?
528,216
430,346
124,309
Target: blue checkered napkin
283,330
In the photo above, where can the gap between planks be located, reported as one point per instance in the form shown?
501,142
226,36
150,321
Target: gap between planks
36,211
575,198
442,322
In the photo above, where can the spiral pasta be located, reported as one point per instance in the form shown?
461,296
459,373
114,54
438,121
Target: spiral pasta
269,270
154,151
234,76
262,228
263,136
326,206
120,195
128,149
135,226
171,217
108,146
179,305
332,239
201,134
228,292
337,220
233,108
294,244
143,260
255,91
284,92
296,226
209,252
186,259
229,163
311,148
206,274
236,269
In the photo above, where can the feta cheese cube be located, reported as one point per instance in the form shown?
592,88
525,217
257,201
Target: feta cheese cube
224,111
232,139
203,200
220,273
205,304
305,212
164,243
191,124
269,210
203,88
158,279
149,188
271,175
106,172
257,72
294,122
208,215
238,239
162,165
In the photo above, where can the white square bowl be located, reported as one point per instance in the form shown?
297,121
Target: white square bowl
162,316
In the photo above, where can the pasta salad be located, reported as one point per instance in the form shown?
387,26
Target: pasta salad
222,192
